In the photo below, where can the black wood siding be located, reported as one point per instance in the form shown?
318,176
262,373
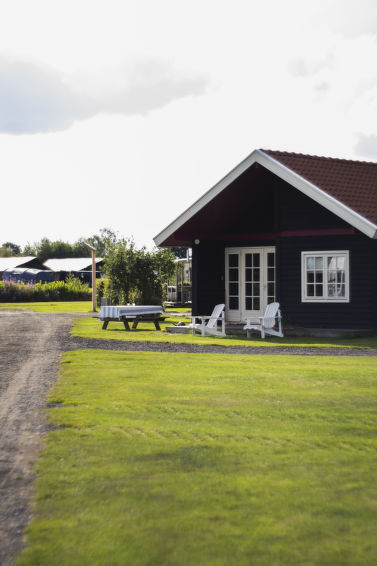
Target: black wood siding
208,266
359,313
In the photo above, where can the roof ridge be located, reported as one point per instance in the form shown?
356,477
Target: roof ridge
321,157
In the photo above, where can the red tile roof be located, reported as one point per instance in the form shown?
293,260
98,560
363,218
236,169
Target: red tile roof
353,183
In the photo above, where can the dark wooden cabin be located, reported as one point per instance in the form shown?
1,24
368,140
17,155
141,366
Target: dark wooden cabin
294,228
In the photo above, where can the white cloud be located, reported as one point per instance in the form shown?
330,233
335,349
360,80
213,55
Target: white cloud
300,67
35,99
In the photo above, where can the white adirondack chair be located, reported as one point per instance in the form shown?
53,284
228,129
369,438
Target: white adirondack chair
266,323
208,324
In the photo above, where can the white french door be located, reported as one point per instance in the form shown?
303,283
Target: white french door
250,281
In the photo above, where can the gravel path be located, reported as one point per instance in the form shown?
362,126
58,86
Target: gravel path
30,347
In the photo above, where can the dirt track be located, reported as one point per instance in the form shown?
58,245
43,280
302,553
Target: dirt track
30,346
29,353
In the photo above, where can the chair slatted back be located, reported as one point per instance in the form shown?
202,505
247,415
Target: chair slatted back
215,315
269,318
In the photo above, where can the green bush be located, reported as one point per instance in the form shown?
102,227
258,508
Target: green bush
70,290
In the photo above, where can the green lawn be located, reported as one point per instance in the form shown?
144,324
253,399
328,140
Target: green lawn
58,306
180,459
91,328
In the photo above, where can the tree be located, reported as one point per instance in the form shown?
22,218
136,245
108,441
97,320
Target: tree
9,249
46,249
105,242
138,276
119,268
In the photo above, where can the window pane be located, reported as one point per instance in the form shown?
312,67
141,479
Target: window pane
256,274
310,277
340,276
248,303
319,290
271,274
256,260
256,289
271,289
256,302
248,274
248,261
331,262
319,263
233,303
310,263
331,290
233,260
341,262
233,288
233,274
318,277
248,289
341,290
310,290
271,259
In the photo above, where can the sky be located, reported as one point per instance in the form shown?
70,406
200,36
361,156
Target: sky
121,114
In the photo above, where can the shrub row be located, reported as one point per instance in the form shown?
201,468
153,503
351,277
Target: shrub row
70,290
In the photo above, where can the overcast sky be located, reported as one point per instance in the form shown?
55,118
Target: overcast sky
121,114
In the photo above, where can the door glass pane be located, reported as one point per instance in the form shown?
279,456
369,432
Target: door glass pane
271,259
233,281
233,260
252,281
233,289
233,303
233,274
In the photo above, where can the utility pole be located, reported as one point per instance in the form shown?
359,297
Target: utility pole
94,271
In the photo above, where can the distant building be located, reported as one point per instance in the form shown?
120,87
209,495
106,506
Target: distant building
80,267
29,262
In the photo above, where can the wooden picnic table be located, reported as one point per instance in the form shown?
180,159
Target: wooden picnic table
134,314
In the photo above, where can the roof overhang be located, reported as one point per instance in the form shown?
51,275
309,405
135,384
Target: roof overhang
300,183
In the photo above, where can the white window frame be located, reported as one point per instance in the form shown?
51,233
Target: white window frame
325,298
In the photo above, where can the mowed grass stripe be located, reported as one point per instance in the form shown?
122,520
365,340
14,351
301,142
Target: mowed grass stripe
208,459
89,327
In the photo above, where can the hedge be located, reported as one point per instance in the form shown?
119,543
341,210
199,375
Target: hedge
71,290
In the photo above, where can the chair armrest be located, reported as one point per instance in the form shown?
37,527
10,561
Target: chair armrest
206,317
254,320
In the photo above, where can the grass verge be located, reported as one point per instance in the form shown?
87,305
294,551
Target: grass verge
91,328
53,307
208,460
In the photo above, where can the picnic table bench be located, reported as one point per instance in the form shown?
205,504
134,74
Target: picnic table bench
134,314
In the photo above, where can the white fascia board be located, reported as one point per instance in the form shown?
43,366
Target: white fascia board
318,195
301,184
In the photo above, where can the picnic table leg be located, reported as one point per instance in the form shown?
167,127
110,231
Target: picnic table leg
105,323
136,322
126,325
157,324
